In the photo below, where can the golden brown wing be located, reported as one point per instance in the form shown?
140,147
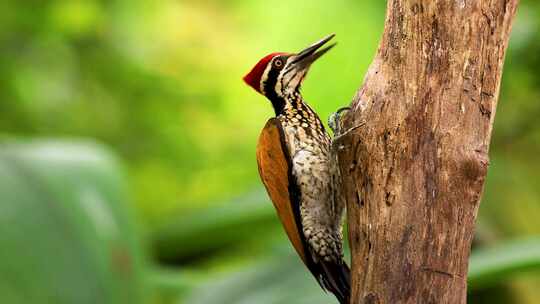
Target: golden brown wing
274,171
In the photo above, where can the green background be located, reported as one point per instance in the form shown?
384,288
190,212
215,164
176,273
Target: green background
135,111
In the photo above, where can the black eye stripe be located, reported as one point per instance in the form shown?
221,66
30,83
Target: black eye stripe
269,90
271,81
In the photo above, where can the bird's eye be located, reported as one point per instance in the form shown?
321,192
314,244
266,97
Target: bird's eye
278,63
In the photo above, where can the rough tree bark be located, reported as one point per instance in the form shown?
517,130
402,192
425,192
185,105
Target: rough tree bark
414,173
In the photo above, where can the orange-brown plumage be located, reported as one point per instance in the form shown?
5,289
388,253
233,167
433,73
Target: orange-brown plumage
274,171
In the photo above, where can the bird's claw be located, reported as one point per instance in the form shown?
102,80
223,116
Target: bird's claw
334,121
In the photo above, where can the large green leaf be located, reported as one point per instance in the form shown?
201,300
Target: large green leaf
169,284
65,234
189,235
282,279
495,264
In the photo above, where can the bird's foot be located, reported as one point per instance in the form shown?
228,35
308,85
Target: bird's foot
334,122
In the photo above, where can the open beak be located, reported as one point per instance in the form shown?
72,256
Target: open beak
305,58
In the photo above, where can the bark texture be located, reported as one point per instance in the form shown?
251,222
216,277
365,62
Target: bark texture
414,173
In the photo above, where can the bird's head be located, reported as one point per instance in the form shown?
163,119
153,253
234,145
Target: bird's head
279,74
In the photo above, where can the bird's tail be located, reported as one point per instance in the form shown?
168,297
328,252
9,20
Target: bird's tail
337,280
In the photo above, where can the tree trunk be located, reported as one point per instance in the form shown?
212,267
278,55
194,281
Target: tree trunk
414,172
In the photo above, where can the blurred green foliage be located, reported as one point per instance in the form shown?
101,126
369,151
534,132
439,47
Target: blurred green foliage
159,82
66,234
499,263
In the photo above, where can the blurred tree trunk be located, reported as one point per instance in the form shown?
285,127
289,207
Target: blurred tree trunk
414,173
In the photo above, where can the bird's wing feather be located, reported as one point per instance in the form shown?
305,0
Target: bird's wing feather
276,174
274,169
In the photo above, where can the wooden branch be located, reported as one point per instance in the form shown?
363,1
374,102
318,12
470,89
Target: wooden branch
414,174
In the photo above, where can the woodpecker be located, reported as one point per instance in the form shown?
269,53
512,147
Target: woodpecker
298,167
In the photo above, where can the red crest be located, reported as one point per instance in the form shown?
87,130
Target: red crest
253,78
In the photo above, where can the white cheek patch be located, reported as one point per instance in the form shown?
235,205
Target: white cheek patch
289,79
280,81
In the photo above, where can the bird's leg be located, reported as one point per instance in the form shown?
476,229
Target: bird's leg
334,122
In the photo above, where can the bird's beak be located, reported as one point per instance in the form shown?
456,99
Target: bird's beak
305,58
